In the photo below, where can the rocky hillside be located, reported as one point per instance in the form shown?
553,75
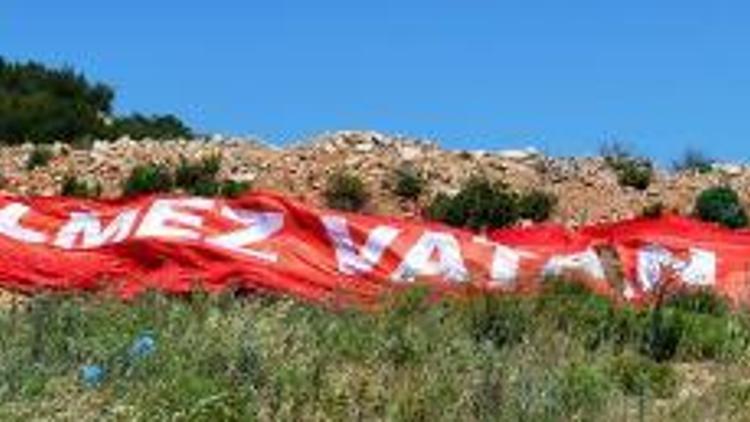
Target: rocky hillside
587,188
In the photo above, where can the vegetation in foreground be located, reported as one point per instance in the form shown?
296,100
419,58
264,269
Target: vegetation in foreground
565,355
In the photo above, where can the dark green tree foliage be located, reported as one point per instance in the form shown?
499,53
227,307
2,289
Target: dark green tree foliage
722,205
138,126
479,204
43,105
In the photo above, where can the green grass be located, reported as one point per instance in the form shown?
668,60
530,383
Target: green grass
566,355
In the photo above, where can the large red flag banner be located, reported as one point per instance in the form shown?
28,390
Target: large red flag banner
264,241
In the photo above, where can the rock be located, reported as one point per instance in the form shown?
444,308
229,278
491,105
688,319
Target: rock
518,154
729,169
364,147
410,153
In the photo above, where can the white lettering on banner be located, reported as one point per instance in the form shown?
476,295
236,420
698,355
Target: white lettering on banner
698,270
258,226
419,261
351,259
164,213
89,228
587,261
10,224
505,262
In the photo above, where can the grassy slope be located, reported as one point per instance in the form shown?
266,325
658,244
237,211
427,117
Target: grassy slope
565,355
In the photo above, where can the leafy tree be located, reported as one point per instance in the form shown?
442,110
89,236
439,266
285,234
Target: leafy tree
43,105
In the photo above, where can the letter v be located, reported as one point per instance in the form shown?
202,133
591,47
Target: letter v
351,259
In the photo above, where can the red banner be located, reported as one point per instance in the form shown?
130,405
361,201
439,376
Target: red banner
266,242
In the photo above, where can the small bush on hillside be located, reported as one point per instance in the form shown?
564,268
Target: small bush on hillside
149,178
653,210
694,161
73,187
632,171
722,205
409,183
233,188
536,205
40,156
345,191
199,178
479,204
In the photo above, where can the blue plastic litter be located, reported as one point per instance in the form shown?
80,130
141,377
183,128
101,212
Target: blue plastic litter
92,375
144,345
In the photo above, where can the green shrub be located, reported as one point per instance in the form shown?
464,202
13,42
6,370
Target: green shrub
40,156
694,161
409,183
479,204
501,321
701,301
722,205
536,205
73,187
138,126
345,191
662,334
632,171
199,178
584,389
147,179
639,376
653,210
571,307
233,188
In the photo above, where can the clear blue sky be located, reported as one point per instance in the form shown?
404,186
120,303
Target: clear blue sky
559,75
